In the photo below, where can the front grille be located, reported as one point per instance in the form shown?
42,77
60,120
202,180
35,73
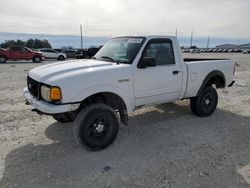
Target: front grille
33,87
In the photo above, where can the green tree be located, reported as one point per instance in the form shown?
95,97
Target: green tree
31,43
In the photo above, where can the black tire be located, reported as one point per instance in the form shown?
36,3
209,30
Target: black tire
3,59
37,59
96,126
65,117
205,104
61,58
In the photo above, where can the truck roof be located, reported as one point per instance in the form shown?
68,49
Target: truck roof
149,36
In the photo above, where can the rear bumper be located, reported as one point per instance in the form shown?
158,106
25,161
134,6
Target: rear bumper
47,108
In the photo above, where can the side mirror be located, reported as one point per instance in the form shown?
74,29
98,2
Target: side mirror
147,62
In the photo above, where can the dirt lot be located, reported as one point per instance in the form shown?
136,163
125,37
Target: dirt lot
164,146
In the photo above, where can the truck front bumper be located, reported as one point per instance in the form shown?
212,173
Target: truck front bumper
45,107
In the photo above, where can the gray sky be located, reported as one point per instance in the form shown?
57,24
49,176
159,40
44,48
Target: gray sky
220,18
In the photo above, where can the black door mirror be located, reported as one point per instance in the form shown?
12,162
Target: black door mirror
147,62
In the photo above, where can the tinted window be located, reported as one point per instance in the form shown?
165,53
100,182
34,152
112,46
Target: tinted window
161,51
16,48
23,49
48,50
51,51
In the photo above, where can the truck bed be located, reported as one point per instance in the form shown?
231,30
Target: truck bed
198,69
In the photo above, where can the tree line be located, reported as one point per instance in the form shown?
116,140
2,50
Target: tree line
31,43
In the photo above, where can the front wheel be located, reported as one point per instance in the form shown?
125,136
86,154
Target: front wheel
205,104
3,59
37,59
96,126
61,58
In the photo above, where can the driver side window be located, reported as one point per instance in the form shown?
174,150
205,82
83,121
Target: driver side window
161,51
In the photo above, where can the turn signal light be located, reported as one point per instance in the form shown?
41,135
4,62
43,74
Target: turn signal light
55,94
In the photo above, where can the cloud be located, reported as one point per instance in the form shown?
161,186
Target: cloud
222,18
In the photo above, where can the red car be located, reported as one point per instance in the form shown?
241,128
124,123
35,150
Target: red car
19,53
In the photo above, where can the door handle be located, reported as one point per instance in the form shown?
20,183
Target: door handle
176,72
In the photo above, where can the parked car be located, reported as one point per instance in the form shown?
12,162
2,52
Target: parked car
87,53
194,51
247,51
81,54
126,74
58,49
19,53
70,53
236,50
49,53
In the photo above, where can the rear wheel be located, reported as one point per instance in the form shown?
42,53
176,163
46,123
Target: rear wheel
205,104
3,59
60,58
96,126
37,59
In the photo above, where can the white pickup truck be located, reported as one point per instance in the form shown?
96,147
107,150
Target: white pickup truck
127,73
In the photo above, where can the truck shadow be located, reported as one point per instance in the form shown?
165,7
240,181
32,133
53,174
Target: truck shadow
166,145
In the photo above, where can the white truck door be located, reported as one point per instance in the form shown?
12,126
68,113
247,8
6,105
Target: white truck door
160,83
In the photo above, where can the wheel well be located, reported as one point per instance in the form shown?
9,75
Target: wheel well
218,81
111,99
4,56
216,78
36,56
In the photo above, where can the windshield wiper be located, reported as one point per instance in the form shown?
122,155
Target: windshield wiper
123,61
107,57
111,59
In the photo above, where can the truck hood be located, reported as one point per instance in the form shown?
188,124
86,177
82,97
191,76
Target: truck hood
60,70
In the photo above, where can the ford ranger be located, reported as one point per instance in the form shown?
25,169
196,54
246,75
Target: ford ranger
19,52
126,74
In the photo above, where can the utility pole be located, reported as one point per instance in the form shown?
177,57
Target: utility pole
191,39
86,33
81,35
176,33
208,40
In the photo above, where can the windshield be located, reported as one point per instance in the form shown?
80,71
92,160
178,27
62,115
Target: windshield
120,50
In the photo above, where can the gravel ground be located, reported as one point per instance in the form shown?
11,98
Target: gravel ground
163,146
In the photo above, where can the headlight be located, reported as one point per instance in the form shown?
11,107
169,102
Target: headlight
45,93
51,93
